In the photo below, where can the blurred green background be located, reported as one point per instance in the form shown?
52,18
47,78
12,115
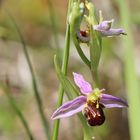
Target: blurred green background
43,27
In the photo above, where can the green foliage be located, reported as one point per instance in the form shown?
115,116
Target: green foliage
7,120
132,84
75,19
67,85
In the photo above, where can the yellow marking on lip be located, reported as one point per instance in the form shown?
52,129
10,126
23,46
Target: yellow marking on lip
94,96
97,105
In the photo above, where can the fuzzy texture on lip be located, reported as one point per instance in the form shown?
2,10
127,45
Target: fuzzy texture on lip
77,104
106,31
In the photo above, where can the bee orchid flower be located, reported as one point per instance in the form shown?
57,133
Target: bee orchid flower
91,102
106,31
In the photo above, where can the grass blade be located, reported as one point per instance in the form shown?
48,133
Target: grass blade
131,79
18,112
34,83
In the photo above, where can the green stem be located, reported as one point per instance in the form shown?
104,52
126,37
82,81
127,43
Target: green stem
34,83
95,55
86,128
130,73
64,70
18,112
85,136
79,50
95,77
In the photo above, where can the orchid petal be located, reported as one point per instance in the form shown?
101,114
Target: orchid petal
106,31
70,108
84,86
110,101
104,26
113,32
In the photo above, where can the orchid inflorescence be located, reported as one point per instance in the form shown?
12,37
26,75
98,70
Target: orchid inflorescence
91,101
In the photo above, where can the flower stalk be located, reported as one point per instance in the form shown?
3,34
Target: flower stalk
95,44
64,71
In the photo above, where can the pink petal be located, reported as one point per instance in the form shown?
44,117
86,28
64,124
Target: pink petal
113,32
106,31
69,108
104,26
84,86
110,101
